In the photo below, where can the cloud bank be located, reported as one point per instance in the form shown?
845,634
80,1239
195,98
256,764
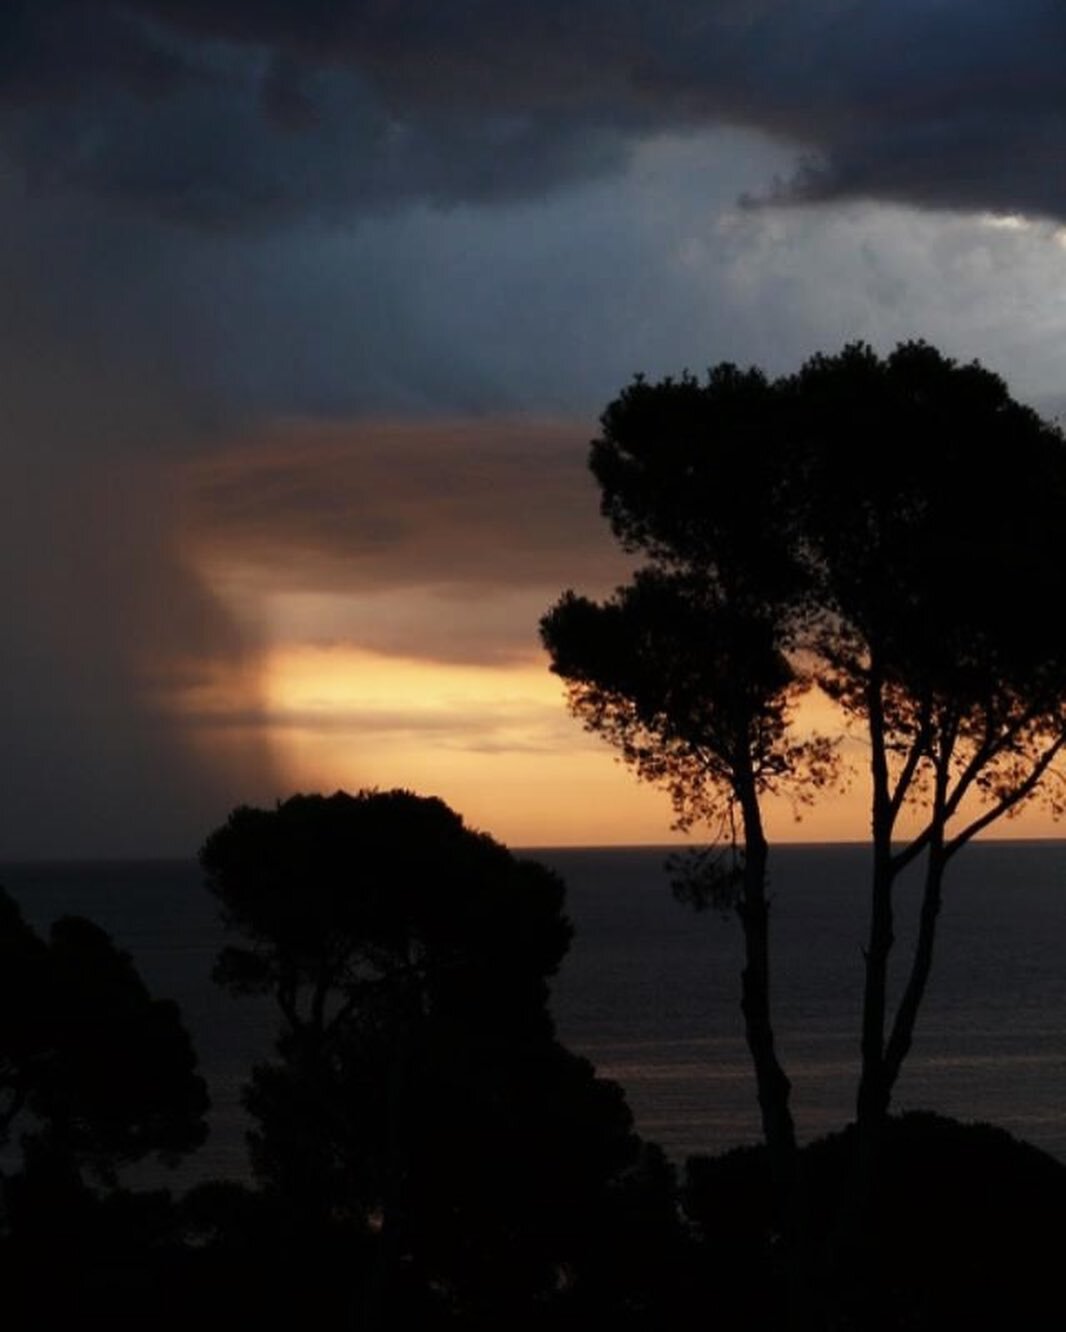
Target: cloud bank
247,112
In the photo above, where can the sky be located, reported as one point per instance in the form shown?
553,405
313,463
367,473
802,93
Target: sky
310,311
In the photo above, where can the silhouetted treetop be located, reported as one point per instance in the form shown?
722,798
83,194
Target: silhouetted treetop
881,522
694,475
418,1109
931,500
92,1068
344,896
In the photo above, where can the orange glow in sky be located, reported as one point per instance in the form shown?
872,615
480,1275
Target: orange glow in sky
496,742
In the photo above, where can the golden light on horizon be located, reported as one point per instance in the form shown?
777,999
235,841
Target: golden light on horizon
496,742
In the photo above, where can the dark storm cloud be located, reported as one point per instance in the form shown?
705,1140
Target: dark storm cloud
273,121
231,112
104,630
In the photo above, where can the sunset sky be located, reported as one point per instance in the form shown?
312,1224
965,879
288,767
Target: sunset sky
309,314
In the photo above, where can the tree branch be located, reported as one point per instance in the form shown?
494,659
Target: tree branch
918,747
1009,801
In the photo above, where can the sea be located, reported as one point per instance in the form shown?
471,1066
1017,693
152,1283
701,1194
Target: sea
650,989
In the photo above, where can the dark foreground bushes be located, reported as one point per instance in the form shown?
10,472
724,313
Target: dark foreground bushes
964,1231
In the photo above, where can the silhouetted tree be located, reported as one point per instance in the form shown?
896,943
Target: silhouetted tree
420,1112
95,1075
92,1068
933,503
884,527
689,670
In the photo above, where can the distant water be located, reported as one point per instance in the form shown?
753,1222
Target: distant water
650,989
651,992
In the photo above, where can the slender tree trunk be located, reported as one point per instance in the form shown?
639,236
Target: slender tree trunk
873,1094
852,1251
772,1083
872,1100
899,1042
883,1059
803,1261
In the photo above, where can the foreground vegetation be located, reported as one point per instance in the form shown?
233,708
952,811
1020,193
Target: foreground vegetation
425,1152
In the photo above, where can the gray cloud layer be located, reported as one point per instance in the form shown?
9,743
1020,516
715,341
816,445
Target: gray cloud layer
234,112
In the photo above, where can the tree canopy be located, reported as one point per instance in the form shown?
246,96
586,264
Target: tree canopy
881,527
419,1104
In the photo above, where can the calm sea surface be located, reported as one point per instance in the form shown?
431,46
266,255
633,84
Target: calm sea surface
650,989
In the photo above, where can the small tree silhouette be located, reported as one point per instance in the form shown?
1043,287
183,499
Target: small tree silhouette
95,1075
419,1107
93,1070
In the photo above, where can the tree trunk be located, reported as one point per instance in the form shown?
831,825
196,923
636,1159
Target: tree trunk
899,1042
803,1266
873,1094
852,1257
772,1083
